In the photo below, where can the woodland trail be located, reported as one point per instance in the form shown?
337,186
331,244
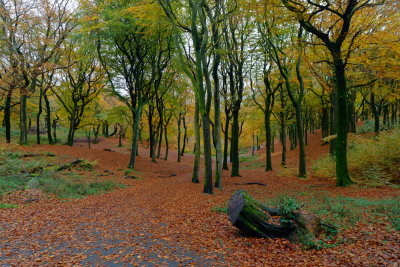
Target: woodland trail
164,219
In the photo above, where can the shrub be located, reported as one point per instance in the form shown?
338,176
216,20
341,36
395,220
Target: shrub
372,161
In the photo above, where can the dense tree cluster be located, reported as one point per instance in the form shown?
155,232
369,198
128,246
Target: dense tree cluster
214,75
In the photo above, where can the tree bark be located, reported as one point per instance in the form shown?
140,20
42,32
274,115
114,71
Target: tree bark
197,150
226,143
342,174
137,115
48,118
23,137
268,158
184,136
7,116
235,143
40,110
166,142
179,137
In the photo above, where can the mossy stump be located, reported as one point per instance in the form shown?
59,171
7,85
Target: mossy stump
254,219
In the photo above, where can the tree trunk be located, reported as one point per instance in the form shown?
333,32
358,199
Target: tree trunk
71,132
253,146
179,137
160,137
153,158
23,137
137,115
184,136
342,173
268,150
151,130
376,112
197,150
300,137
166,143
89,138
324,122
120,136
226,143
283,139
55,130
332,143
48,118
96,131
207,154
7,116
235,143
40,110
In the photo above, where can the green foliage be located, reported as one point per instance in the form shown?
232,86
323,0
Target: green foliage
344,212
336,214
247,158
372,161
367,127
220,209
65,189
14,133
7,206
86,165
16,174
287,207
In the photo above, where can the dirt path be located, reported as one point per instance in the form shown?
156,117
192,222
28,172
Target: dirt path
164,219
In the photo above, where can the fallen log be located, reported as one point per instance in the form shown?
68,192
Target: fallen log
70,165
251,183
255,219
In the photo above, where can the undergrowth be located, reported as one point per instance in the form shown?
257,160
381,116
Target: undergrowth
372,161
20,173
342,213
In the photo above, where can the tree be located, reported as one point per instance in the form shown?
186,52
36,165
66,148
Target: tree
83,81
199,75
333,37
32,32
268,97
237,33
132,54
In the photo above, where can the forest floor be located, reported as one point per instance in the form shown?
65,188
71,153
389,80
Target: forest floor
161,218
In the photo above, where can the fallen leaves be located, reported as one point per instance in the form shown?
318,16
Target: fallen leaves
168,221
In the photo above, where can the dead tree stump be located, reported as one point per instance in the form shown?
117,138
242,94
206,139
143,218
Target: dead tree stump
254,219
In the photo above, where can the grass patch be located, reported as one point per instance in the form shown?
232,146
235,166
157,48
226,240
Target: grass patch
65,189
19,173
132,174
247,158
372,161
341,212
286,171
220,208
7,206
